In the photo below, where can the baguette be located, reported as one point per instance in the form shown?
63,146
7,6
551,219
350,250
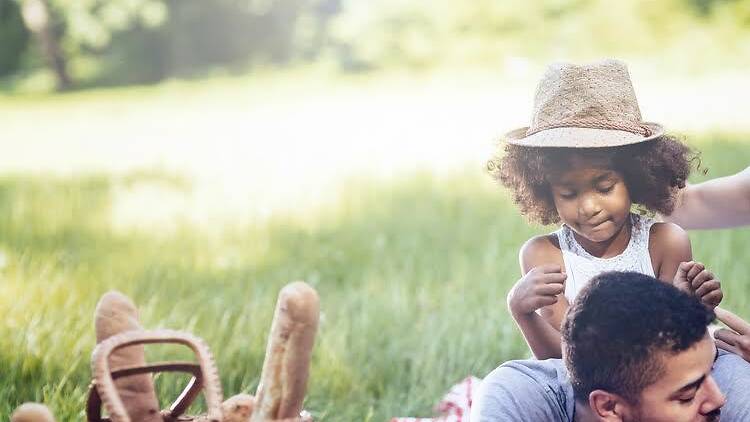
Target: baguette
114,314
287,362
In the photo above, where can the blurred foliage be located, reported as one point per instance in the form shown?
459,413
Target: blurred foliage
90,24
425,32
13,37
141,41
196,37
740,9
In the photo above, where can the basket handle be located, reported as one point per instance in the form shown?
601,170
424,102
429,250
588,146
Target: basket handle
180,405
205,374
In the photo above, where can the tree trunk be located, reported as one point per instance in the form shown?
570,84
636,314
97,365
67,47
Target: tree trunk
36,17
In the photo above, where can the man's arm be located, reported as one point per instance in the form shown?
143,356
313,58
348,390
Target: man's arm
736,338
719,203
521,391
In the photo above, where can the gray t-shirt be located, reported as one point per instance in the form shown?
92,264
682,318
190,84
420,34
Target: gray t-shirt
540,390
525,390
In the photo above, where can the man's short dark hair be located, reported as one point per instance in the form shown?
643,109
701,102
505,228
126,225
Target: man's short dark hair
620,327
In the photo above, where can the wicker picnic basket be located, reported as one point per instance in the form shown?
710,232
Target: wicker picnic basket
122,386
102,392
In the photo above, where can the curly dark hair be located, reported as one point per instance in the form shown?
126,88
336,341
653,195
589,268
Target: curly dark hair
619,328
653,171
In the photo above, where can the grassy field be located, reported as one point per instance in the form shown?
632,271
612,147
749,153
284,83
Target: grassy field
412,274
200,199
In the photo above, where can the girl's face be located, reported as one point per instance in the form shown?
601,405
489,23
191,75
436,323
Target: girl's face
592,199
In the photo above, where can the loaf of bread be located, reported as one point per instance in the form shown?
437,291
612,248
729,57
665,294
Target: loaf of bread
115,313
286,367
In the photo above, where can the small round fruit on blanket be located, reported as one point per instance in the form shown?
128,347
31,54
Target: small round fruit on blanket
32,412
238,408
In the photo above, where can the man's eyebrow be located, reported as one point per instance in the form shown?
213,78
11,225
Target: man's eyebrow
693,385
697,383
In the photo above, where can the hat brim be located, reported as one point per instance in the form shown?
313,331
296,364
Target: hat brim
581,137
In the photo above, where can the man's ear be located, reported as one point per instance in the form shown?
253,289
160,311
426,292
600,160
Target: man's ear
608,406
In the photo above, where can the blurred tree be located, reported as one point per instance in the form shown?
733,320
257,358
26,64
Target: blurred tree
223,33
739,9
143,41
13,37
37,16
703,7
69,27
421,32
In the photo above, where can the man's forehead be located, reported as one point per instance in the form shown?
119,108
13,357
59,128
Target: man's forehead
682,368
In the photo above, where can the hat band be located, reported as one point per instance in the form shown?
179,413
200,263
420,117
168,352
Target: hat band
638,130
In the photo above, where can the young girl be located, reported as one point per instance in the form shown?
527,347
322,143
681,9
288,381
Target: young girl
585,161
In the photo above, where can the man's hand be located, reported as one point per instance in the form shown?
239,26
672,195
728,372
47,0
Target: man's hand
694,278
537,289
737,338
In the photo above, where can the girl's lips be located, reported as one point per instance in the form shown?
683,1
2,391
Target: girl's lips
594,225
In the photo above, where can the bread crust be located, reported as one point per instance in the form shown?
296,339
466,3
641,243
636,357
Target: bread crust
286,367
116,313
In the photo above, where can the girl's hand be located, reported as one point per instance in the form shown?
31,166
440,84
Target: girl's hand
537,289
737,341
694,278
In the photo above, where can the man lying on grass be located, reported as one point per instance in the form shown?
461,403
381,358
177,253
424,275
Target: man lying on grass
634,350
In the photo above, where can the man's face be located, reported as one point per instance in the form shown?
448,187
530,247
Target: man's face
685,392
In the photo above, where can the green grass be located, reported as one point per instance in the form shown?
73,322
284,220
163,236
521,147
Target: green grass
412,276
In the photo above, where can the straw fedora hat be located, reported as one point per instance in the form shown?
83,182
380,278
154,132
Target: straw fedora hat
586,106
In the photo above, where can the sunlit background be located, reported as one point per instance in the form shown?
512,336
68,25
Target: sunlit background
218,149
268,104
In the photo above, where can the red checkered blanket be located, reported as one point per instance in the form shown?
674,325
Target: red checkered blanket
455,405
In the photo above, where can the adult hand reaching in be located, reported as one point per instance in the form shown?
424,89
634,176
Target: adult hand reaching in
736,338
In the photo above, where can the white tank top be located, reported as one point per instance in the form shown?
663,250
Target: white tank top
581,266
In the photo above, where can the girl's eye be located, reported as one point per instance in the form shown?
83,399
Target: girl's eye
606,189
567,195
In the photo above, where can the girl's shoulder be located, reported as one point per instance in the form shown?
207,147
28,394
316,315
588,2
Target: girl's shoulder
667,235
668,244
539,250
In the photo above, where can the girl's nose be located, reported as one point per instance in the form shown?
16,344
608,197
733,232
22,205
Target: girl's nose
588,206
714,397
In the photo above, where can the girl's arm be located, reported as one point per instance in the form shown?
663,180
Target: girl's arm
536,301
668,245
